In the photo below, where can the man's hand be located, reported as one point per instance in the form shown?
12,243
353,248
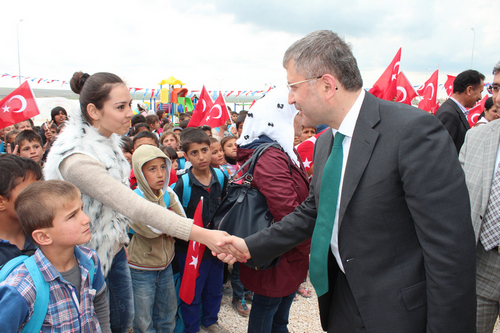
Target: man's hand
234,247
212,239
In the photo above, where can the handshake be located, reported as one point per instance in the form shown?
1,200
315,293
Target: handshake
227,248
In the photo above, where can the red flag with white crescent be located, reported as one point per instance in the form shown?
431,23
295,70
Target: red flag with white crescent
202,108
193,261
406,92
218,113
386,85
448,85
17,106
428,102
306,150
476,111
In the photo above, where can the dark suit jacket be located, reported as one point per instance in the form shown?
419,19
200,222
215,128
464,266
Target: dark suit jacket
455,122
406,238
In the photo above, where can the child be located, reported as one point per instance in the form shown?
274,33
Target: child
17,173
154,123
172,155
127,146
170,139
217,160
145,138
203,181
140,127
11,137
30,145
307,132
229,147
151,252
50,212
24,125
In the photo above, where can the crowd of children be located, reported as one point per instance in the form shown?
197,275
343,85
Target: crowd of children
171,167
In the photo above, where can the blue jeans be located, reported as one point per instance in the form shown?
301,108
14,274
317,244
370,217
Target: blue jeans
208,292
270,314
155,302
121,298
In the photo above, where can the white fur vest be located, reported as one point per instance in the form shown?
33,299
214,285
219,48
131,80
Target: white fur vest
108,228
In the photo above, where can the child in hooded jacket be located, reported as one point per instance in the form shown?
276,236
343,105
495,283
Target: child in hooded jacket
150,251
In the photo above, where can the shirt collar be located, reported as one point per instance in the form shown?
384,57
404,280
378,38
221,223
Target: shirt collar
464,110
349,123
49,272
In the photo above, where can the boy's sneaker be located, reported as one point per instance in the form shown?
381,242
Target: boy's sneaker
241,307
249,297
214,328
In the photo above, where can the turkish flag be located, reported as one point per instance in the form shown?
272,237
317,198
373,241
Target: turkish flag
218,113
448,85
406,92
429,89
476,111
193,261
19,105
306,150
200,112
386,85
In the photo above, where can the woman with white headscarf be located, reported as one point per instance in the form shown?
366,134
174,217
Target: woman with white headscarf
280,176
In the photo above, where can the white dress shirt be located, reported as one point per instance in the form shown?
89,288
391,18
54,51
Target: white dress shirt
347,128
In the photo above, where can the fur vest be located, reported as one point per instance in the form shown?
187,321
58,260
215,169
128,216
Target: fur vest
108,228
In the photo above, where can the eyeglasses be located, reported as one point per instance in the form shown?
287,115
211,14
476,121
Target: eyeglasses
493,89
289,86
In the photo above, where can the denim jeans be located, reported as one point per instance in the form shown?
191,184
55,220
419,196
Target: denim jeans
121,298
208,292
238,289
270,314
155,302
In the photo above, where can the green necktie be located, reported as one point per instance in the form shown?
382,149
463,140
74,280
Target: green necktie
322,235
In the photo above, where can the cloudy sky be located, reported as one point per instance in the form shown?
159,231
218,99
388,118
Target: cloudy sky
238,45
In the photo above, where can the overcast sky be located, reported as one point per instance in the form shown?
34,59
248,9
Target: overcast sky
239,45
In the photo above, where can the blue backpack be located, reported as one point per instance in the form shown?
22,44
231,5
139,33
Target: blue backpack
166,196
41,286
186,189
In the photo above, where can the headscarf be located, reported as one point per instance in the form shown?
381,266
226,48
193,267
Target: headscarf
271,116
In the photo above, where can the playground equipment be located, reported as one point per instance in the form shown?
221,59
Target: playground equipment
173,100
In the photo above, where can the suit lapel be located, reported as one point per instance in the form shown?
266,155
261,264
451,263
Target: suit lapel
362,144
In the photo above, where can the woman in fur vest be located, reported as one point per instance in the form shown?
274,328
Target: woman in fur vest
87,153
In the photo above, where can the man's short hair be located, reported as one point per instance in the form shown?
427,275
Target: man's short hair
496,69
136,119
16,169
151,119
324,52
193,135
146,134
38,204
28,135
467,78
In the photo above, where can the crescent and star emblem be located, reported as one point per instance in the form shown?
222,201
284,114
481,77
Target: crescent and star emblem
21,99
432,86
220,111
403,90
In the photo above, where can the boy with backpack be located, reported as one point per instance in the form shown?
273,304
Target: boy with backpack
201,180
62,282
17,173
150,251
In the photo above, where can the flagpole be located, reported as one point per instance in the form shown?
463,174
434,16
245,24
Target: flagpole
18,54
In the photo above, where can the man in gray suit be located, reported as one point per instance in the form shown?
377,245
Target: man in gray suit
399,254
480,157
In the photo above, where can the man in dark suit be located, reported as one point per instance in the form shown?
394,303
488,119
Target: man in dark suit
467,90
401,255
